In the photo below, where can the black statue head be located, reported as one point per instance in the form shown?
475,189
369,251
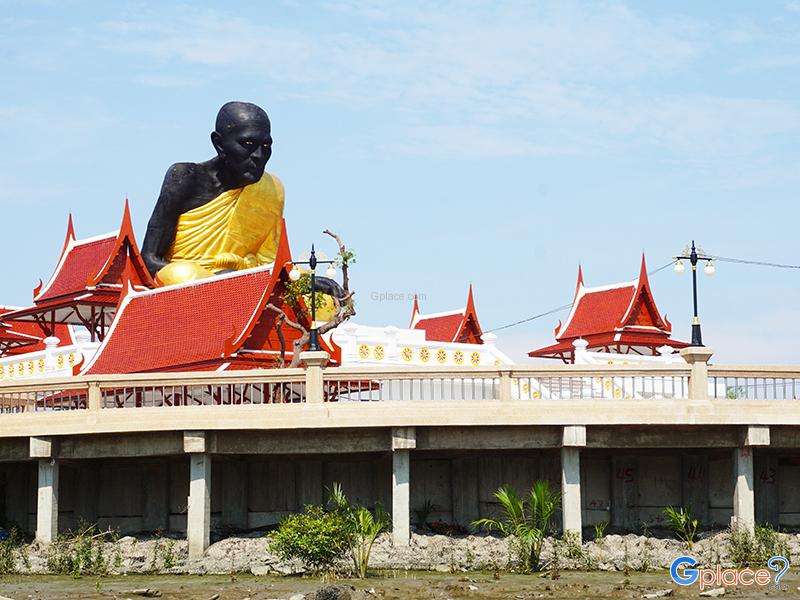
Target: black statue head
243,141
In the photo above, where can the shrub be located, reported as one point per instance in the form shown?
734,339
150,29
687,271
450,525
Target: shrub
12,547
682,524
525,520
747,548
317,537
363,527
81,552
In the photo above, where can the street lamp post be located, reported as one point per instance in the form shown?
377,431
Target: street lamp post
693,258
294,275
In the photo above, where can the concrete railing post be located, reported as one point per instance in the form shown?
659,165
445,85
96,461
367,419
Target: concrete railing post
505,385
744,508
404,439
94,398
573,439
198,518
697,357
47,495
314,363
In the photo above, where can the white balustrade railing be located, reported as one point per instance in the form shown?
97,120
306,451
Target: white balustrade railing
399,384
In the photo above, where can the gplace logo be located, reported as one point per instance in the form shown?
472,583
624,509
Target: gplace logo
683,573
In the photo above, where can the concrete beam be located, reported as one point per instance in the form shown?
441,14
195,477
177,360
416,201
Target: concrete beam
643,436
488,438
574,436
47,501
401,497
571,489
42,447
301,441
756,435
121,446
404,438
195,442
744,514
198,526
14,449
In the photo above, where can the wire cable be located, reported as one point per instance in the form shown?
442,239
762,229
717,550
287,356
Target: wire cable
758,263
562,307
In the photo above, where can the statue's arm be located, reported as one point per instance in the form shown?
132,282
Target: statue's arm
177,187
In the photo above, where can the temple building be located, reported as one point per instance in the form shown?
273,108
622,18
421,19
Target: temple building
450,338
100,312
607,321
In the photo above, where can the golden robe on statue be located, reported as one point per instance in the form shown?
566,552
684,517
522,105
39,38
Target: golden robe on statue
239,229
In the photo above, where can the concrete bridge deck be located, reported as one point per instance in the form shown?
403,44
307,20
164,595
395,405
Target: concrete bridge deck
242,449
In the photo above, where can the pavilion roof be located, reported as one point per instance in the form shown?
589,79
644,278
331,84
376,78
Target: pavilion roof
88,278
612,316
460,325
19,337
214,323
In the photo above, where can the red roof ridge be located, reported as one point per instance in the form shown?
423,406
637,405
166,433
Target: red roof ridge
69,245
582,291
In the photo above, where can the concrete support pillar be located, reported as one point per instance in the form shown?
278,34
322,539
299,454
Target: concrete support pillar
404,439
697,357
198,526
198,518
744,508
744,512
573,439
47,501
314,362
44,448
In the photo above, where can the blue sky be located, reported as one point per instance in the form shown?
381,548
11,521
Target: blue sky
447,142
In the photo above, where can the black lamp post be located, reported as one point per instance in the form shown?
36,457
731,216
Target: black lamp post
693,258
294,275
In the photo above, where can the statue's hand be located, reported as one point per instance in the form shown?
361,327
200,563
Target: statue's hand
228,261
329,286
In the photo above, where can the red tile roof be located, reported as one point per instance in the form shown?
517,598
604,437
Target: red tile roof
453,326
81,261
619,315
182,325
31,331
441,329
598,311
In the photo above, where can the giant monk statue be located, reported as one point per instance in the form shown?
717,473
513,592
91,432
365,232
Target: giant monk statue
223,214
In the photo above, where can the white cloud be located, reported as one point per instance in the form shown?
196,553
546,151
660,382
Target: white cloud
522,79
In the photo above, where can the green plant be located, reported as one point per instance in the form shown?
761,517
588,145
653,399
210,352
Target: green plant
555,560
525,521
163,552
423,513
363,527
682,524
12,548
315,536
80,552
746,548
294,291
599,534
572,546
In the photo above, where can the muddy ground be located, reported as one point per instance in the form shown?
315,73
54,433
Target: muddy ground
384,586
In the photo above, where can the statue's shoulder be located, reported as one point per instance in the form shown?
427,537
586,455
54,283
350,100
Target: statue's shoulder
185,172
277,184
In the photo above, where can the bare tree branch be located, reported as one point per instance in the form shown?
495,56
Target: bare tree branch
342,253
